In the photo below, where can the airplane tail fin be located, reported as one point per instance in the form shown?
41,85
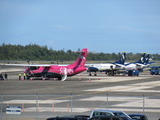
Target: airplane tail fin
122,58
81,60
142,59
147,59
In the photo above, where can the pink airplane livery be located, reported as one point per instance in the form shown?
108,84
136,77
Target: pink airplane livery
56,71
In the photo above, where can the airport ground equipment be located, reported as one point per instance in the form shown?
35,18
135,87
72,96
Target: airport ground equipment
132,72
155,70
99,112
109,118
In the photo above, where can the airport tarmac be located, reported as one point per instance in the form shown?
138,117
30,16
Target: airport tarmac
132,94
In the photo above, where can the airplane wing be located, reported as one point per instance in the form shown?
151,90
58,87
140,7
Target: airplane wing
28,65
150,63
139,64
33,65
120,65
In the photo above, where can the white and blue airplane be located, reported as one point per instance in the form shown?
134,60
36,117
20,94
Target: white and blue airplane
142,63
136,65
147,63
107,67
111,68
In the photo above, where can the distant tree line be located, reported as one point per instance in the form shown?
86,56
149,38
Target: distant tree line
36,52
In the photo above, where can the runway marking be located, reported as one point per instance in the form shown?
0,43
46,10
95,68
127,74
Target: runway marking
56,109
81,110
34,101
119,88
128,102
135,87
151,103
104,98
138,87
116,79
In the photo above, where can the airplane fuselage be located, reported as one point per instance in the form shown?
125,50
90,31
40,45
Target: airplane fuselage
107,66
134,66
53,70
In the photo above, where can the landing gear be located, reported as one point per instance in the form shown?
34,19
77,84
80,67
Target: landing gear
59,78
95,74
110,73
28,77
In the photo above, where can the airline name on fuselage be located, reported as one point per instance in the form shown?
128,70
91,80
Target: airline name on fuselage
68,71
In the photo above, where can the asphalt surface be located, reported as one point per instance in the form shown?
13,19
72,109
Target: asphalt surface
79,94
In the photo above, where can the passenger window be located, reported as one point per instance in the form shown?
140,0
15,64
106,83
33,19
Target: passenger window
102,114
109,114
96,114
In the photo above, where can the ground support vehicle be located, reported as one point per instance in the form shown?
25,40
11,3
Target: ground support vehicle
108,118
98,112
116,73
132,72
155,70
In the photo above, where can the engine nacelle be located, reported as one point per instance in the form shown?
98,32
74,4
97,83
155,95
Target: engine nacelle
92,69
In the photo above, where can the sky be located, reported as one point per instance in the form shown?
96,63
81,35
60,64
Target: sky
108,26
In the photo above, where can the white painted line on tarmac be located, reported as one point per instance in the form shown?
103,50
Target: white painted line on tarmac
34,101
125,99
151,103
115,79
138,87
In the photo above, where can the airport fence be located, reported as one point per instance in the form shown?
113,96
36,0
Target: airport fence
41,107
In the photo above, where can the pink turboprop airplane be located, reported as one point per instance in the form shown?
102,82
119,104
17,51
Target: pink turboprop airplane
57,71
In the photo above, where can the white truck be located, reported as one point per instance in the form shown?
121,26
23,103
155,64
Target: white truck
99,112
